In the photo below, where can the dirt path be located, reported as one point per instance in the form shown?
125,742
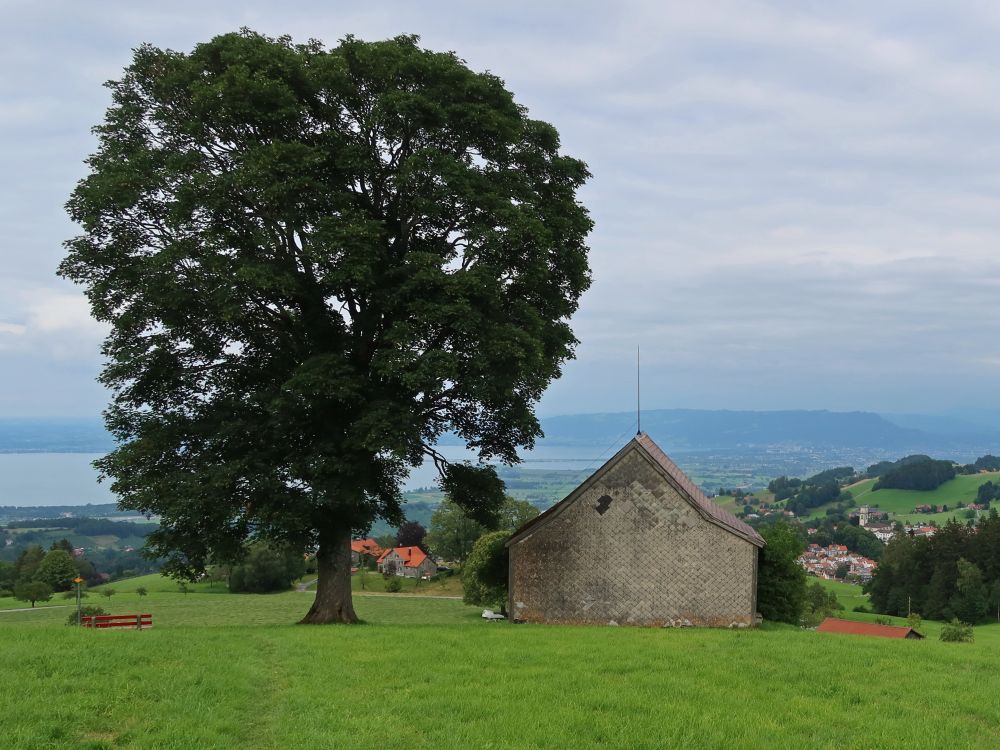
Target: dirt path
35,609
404,596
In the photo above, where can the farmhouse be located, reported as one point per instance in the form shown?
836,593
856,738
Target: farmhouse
637,543
411,562
364,548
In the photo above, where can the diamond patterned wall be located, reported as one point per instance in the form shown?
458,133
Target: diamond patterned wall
629,549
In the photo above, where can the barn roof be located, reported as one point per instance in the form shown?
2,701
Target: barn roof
852,627
644,443
719,515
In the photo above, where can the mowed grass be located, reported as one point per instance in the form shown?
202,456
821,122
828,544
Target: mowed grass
848,594
223,670
211,604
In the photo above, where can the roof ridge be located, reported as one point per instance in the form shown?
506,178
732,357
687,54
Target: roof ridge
694,491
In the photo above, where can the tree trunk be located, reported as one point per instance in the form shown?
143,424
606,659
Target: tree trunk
333,589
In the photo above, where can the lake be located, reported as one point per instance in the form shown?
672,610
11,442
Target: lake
28,479
51,479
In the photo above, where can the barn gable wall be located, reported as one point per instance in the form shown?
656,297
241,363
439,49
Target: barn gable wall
647,557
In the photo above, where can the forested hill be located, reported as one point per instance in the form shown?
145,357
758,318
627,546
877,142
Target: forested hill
692,429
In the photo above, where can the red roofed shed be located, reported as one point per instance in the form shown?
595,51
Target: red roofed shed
852,627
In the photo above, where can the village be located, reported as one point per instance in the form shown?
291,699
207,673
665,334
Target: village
837,562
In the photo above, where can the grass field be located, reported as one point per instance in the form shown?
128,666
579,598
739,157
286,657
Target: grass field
223,670
901,502
848,594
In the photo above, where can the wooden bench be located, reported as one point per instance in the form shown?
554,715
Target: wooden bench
136,622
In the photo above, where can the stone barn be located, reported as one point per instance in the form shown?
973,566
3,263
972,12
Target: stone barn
638,543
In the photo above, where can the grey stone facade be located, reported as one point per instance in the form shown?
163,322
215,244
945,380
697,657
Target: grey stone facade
638,544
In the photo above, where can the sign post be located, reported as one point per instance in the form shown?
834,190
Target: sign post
78,581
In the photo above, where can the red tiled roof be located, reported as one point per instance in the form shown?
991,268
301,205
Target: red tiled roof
412,556
366,547
852,627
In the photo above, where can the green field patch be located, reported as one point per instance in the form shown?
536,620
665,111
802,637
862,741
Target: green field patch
900,503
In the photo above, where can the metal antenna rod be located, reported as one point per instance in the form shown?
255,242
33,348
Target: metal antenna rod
638,402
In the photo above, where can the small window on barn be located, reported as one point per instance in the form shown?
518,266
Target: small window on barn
603,503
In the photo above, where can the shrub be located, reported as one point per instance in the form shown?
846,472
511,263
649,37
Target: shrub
781,581
484,575
6,593
883,621
266,568
87,610
57,569
393,585
957,632
861,608
914,620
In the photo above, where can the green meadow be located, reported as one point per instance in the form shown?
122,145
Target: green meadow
961,489
222,670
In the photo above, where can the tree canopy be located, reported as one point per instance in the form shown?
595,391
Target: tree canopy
781,581
452,533
32,591
57,569
923,474
484,575
410,534
950,574
265,569
313,263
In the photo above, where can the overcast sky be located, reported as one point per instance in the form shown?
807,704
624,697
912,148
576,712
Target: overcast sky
797,204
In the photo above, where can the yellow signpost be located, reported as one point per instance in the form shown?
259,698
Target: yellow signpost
78,581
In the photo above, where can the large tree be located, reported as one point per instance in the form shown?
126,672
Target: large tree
314,263
57,569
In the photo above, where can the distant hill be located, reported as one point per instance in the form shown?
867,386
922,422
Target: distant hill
692,429
675,429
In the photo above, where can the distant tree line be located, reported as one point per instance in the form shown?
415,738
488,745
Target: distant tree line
803,495
89,526
987,493
36,574
954,573
99,564
882,467
983,463
922,473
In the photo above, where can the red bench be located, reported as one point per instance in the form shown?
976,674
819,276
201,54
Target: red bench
136,622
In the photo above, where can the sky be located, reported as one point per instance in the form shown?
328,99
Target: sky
796,204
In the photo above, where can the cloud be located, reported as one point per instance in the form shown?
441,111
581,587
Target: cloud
795,204
49,322
56,311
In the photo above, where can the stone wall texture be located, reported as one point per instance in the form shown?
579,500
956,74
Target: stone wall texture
630,549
